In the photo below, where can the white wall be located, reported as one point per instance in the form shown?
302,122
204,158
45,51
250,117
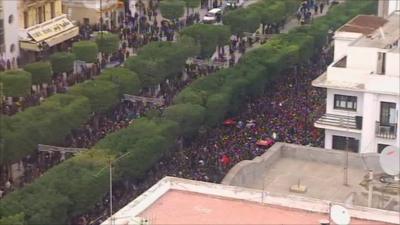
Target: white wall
330,102
342,41
362,58
393,6
392,63
10,30
371,115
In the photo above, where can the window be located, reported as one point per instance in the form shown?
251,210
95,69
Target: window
26,18
388,113
343,143
380,69
381,147
52,10
12,48
10,19
40,14
345,102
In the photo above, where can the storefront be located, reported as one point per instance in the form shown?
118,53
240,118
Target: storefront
46,36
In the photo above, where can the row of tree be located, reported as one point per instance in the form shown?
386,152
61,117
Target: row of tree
154,63
73,187
18,83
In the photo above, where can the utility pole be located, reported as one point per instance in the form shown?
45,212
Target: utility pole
110,165
111,203
101,19
1,125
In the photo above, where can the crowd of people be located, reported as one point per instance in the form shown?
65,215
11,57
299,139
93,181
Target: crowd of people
310,8
285,113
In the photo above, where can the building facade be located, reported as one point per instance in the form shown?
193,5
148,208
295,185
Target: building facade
90,12
43,28
363,86
9,46
387,7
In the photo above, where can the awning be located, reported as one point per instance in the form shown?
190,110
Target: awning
51,32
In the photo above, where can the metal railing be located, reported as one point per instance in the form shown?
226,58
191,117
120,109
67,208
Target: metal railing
384,130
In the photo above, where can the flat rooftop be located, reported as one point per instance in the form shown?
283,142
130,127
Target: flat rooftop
184,207
181,201
321,171
384,36
365,24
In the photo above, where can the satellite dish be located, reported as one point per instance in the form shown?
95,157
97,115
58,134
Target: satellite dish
339,215
390,160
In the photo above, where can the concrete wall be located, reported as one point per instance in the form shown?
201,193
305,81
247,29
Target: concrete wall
362,58
247,171
392,63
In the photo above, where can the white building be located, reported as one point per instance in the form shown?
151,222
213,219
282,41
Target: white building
363,85
9,47
387,7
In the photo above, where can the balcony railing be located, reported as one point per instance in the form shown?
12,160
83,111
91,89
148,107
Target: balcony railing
388,131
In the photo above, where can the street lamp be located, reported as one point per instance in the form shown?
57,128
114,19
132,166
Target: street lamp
110,163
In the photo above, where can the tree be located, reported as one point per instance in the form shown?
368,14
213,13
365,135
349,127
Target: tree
107,43
86,51
189,117
62,62
150,72
101,94
208,36
242,20
16,83
191,4
217,105
41,72
127,81
17,219
47,123
160,60
172,9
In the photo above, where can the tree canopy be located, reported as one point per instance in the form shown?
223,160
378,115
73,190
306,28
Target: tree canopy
107,43
208,36
62,62
41,72
172,9
86,51
16,83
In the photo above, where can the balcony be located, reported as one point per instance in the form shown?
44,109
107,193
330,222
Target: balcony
387,131
340,122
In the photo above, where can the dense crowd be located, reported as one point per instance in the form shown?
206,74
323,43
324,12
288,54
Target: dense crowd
285,113
277,116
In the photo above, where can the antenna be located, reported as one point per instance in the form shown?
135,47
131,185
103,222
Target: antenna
339,215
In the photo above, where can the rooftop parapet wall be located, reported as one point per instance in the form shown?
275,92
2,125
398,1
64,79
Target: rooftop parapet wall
249,171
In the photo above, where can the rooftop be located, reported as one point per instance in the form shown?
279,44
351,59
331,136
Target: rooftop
181,201
365,24
185,207
384,37
319,170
